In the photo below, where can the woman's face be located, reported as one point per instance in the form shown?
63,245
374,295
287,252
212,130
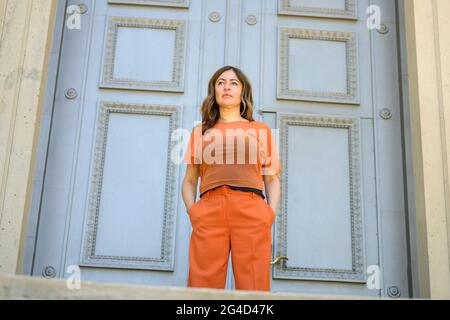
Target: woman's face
228,89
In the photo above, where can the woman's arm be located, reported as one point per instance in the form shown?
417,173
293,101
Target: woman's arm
272,188
189,186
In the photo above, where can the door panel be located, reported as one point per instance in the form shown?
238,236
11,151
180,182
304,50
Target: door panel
130,222
139,68
333,76
117,204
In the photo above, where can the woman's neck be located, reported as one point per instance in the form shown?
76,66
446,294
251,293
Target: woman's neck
221,119
230,115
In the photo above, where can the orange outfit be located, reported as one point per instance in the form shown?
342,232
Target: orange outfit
225,219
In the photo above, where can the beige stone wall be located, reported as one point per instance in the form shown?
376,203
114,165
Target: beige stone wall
428,49
26,28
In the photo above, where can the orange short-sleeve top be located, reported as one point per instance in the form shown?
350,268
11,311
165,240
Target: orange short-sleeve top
234,153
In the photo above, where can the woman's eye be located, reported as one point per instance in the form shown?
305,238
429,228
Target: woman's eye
221,83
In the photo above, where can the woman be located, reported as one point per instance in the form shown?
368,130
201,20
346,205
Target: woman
231,213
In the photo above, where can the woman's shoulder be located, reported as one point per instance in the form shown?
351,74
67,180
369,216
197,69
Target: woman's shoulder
260,124
197,130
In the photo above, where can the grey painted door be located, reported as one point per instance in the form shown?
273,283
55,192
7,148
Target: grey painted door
323,80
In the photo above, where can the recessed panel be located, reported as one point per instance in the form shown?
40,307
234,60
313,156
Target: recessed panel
316,66
338,9
319,4
130,222
141,54
163,3
319,229
144,54
319,213
131,211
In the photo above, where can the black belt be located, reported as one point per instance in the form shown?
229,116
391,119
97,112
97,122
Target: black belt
246,189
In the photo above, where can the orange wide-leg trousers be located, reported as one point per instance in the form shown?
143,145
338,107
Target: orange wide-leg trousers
225,219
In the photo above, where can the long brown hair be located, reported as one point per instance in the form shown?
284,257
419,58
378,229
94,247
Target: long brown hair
210,108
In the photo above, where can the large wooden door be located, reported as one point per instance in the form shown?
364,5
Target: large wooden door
137,71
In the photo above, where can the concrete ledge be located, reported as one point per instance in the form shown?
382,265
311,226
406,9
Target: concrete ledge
25,287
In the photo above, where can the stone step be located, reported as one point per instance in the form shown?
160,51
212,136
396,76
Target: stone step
27,287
